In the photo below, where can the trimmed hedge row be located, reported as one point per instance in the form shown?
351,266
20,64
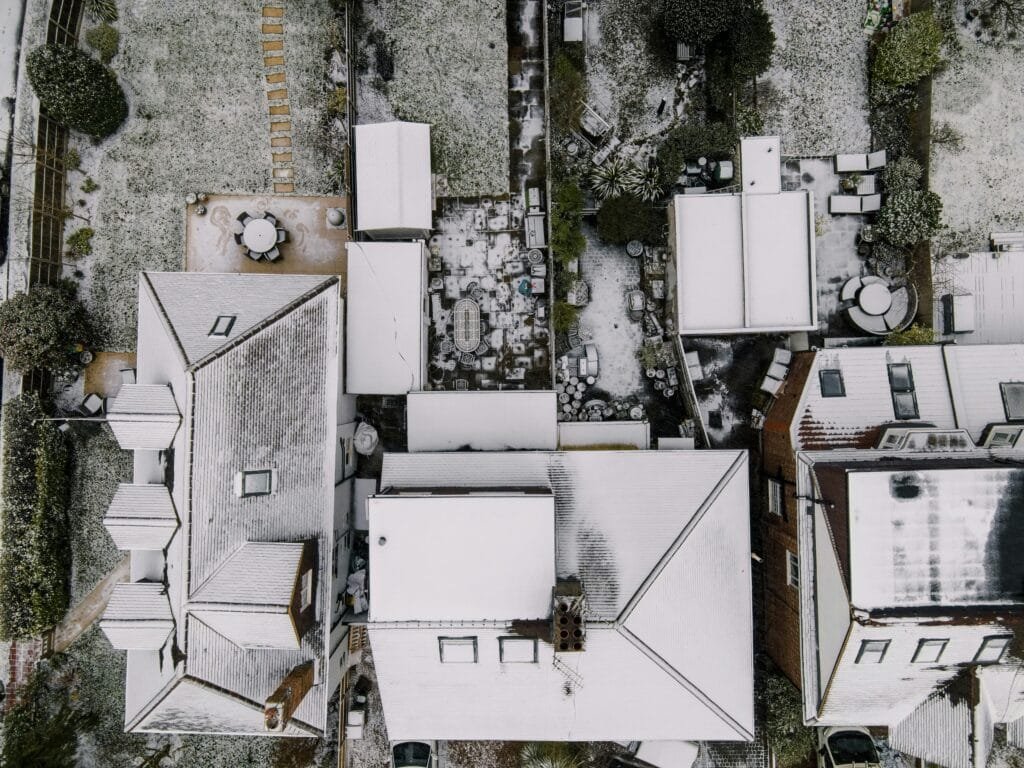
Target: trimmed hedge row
35,561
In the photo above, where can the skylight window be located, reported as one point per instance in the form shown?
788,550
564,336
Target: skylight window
222,325
904,399
929,651
257,482
992,649
872,651
517,650
832,383
1013,400
457,650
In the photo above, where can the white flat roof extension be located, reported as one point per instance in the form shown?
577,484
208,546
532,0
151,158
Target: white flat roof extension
761,164
385,339
471,558
481,421
393,186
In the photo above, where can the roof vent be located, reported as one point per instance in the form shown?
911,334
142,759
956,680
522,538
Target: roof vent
568,621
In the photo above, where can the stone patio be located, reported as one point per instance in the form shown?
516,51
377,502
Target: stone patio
314,247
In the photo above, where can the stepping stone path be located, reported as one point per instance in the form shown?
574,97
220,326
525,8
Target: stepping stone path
277,99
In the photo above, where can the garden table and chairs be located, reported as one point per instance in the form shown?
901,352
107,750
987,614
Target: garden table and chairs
260,236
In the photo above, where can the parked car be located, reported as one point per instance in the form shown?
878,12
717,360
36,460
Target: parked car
414,754
846,746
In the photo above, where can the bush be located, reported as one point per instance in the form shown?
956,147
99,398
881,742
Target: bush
337,102
568,92
567,242
89,185
35,561
910,51
914,335
907,218
698,21
625,218
105,40
563,315
44,328
792,742
101,10
80,241
689,141
76,90
903,175
72,160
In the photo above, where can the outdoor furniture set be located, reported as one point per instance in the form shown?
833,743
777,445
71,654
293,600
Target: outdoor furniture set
866,198
875,306
777,371
260,236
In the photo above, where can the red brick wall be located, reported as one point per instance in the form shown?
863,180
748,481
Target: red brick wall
22,657
778,461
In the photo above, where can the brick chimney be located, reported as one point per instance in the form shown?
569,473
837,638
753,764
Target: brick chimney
282,703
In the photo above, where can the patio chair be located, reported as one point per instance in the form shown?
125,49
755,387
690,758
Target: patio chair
851,163
92,405
238,238
270,217
127,375
838,204
254,255
782,356
870,203
770,385
876,160
244,218
282,235
273,254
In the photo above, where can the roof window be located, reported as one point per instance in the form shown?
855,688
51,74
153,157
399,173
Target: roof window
929,651
872,651
992,649
832,383
457,650
254,482
517,650
904,398
1013,400
222,325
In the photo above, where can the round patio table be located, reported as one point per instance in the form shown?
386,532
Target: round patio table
259,235
874,298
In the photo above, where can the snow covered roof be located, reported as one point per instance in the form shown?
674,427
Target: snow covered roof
482,421
761,164
386,335
935,536
660,542
954,387
137,616
264,399
510,581
394,193
745,263
141,516
143,417
996,310
939,730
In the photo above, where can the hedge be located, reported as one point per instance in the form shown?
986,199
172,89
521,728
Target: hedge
76,90
35,561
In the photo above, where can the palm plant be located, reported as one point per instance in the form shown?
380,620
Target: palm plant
551,755
645,185
613,178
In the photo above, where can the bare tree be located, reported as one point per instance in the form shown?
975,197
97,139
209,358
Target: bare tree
1000,18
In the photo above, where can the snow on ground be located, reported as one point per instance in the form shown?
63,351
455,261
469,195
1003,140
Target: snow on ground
608,271
981,95
198,121
818,96
450,70
626,76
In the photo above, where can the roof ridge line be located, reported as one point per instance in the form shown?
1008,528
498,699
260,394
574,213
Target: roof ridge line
188,598
168,325
287,309
684,682
691,524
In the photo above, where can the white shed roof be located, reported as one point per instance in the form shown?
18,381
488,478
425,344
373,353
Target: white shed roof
482,421
393,187
460,577
386,331
745,263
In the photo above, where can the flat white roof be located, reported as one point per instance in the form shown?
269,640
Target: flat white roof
761,165
995,282
385,339
745,263
482,557
482,421
393,187
594,434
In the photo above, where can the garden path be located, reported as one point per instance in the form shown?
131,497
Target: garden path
272,31
89,608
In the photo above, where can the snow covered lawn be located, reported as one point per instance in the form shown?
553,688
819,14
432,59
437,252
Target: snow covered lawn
450,69
817,100
198,121
981,95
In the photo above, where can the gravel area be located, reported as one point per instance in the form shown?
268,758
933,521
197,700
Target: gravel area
815,94
981,95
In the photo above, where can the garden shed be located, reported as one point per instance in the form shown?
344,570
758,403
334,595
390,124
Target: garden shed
394,191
